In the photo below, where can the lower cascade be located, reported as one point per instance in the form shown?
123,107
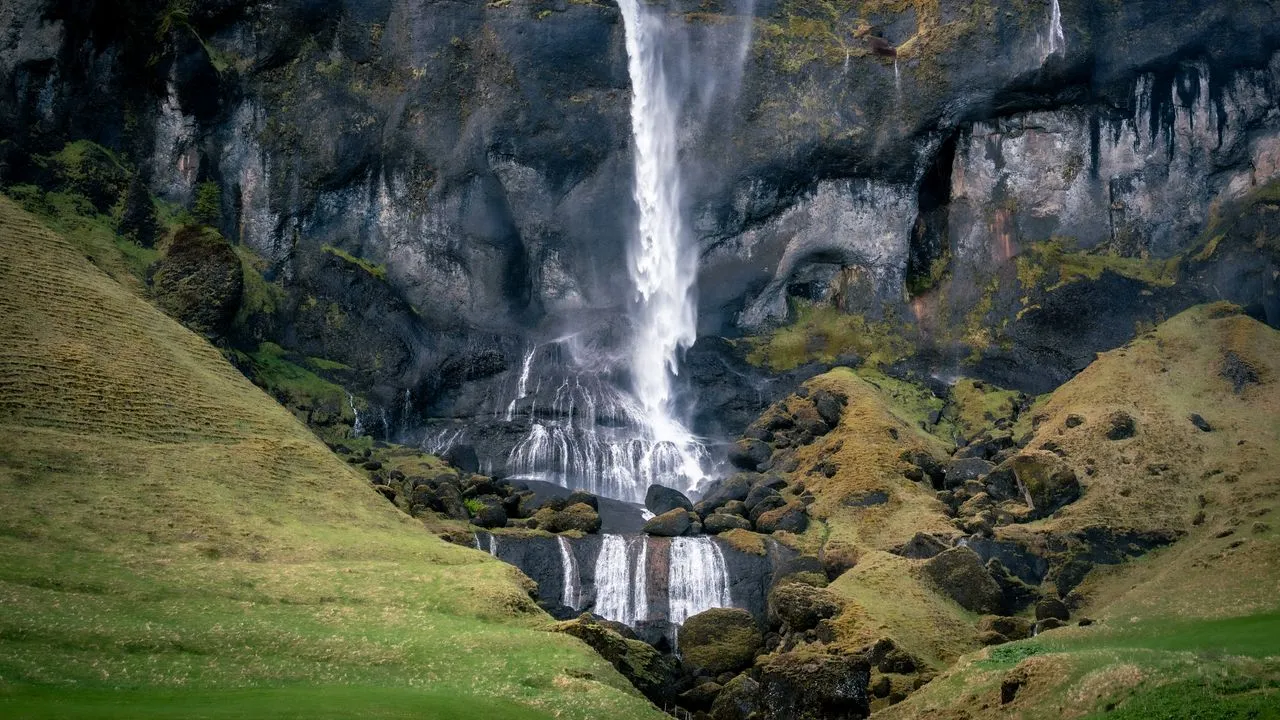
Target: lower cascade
621,579
698,579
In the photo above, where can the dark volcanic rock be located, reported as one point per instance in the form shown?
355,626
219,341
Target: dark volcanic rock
791,518
1052,608
960,574
660,499
749,454
672,523
758,493
719,640
490,513
650,671
739,699
961,470
199,280
1048,481
830,407
1120,425
920,547
801,606
717,523
805,685
734,487
580,516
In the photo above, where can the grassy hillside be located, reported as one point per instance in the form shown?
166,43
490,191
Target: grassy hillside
175,544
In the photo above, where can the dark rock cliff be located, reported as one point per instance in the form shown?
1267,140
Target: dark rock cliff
931,165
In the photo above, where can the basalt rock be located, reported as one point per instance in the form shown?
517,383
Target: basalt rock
647,669
717,523
960,574
719,640
660,499
804,685
672,523
801,607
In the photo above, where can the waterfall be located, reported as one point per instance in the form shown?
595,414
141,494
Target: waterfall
522,386
699,579
663,266
357,427
620,583
492,545
1057,39
572,595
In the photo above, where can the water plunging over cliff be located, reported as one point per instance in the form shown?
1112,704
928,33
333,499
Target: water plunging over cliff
698,579
572,594
1057,39
621,579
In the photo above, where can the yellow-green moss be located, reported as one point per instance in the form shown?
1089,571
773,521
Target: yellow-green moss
822,333
373,269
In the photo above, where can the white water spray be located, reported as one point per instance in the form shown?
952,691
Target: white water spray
1057,39
663,266
698,578
522,386
620,583
572,594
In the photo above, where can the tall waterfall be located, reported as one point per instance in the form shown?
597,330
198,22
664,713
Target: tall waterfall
1057,41
572,594
621,579
698,576
663,265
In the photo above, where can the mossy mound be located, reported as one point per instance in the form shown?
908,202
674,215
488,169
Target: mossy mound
720,640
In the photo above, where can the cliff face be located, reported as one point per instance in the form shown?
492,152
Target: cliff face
914,162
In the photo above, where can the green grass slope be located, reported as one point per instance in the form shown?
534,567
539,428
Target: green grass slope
175,544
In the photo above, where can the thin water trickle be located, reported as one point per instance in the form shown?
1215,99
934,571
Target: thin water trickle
1057,39
572,594
357,427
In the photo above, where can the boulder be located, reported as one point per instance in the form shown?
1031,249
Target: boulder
1017,594
584,497
717,523
1120,425
791,518
1048,624
720,640
489,513
1052,608
580,516
749,454
959,574
672,523
961,470
829,406
661,499
920,547
700,697
801,607
757,494
648,670
739,699
199,280
804,685
1013,628
924,468
442,497
734,487
734,507
1046,479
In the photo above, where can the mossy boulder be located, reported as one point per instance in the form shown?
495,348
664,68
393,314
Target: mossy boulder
651,672
739,699
717,523
750,454
673,523
720,640
1047,480
959,574
487,511
660,499
199,280
801,607
805,685
791,518
1012,628
579,516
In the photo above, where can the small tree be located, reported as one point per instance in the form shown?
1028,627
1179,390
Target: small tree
138,220
208,206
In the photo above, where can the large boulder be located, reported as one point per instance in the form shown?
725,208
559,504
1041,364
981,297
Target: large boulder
661,499
758,493
648,670
579,516
750,454
739,699
487,511
801,606
829,406
961,470
440,496
1047,480
717,523
672,523
959,574
920,547
719,640
791,518
734,487
805,685
772,502
1011,628
199,280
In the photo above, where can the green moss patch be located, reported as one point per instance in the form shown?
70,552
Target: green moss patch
825,334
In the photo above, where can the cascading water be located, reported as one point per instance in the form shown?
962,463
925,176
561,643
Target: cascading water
1057,40
572,594
698,578
620,582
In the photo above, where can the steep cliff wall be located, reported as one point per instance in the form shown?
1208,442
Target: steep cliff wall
907,160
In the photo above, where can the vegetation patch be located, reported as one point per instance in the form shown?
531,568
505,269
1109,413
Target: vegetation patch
824,334
373,269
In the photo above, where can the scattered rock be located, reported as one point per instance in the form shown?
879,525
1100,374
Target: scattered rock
720,640
1052,608
989,637
718,522
647,669
1074,421
734,487
749,454
758,494
1200,422
1013,628
830,407
1120,425
673,523
920,547
1047,481
580,516
1017,594
773,502
586,498
1238,371
960,575
490,513
803,685
802,606
1048,624
791,518
739,699
958,471
661,499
